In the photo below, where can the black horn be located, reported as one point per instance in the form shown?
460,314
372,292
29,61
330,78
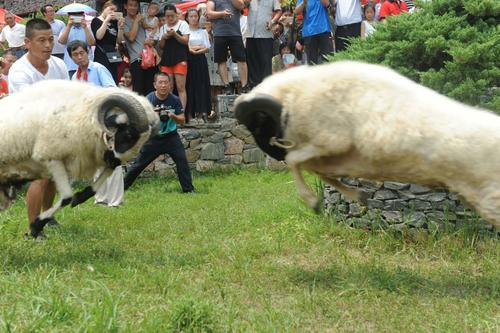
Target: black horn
261,114
135,112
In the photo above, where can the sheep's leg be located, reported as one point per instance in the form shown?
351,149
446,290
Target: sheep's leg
351,193
61,179
294,159
91,190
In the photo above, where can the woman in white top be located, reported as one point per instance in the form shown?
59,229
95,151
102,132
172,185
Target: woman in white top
198,80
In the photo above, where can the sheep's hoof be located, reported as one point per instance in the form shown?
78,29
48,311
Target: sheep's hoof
36,227
82,196
317,206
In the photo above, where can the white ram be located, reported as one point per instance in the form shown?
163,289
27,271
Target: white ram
350,119
67,130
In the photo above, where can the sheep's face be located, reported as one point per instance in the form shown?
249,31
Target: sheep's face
7,196
131,120
261,114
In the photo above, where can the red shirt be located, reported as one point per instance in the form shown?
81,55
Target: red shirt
392,8
3,87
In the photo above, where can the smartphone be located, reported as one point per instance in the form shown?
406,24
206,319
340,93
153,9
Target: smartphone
118,15
77,19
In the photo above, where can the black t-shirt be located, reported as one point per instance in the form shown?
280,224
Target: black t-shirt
171,103
108,42
173,51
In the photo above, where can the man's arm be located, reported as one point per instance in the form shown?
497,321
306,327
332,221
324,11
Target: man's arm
63,37
88,34
238,4
132,34
213,15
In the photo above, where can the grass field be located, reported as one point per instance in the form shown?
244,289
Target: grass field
243,255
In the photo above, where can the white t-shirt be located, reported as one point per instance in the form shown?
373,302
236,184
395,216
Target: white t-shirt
14,36
199,37
23,73
57,27
181,26
348,12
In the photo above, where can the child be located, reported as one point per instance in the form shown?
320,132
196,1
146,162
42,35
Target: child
151,22
368,24
126,80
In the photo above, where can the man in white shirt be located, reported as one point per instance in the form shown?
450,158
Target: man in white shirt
37,65
57,27
13,33
348,18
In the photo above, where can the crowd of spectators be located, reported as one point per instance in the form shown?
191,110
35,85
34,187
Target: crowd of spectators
222,46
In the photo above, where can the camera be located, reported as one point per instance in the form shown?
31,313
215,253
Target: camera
163,112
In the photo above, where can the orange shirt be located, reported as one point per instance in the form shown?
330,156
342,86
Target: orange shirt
392,8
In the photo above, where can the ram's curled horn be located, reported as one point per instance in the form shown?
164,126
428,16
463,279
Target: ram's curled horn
135,112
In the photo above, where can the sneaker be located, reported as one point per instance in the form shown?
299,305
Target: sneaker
53,223
228,90
246,89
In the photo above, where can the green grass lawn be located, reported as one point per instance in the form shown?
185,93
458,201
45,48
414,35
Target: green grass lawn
243,255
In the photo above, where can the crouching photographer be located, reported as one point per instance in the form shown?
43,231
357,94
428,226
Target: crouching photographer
168,141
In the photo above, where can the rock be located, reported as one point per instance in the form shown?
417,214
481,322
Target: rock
212,151
392,216
233,146
353,182
396,186
203,166
190,134
195,144
397,204
453,196
254,155
445,205
228,124
234,159
369,184
384,195
273,164
434,197
417,219
406,195
356,210
241,132
192,155
420,205
250,140
215,138
373,203
205,133
419,189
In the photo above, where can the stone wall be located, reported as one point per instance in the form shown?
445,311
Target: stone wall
400,205
219,145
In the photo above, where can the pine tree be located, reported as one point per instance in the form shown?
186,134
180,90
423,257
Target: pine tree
451,46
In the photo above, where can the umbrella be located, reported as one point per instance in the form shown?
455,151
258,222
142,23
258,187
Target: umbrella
76,8
184,6
2,17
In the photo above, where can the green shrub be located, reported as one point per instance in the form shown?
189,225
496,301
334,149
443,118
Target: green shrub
451,46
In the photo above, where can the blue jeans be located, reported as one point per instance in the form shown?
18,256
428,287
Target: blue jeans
170,144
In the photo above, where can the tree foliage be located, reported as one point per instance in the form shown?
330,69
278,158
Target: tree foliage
451,46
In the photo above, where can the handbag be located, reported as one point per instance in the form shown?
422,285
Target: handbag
114,57
148,58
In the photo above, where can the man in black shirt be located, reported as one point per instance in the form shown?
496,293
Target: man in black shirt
168,140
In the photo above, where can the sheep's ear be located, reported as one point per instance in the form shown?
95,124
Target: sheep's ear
261,114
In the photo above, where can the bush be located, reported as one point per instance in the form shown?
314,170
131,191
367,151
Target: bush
451,46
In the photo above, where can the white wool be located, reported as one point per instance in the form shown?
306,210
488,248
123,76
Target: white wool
360,120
